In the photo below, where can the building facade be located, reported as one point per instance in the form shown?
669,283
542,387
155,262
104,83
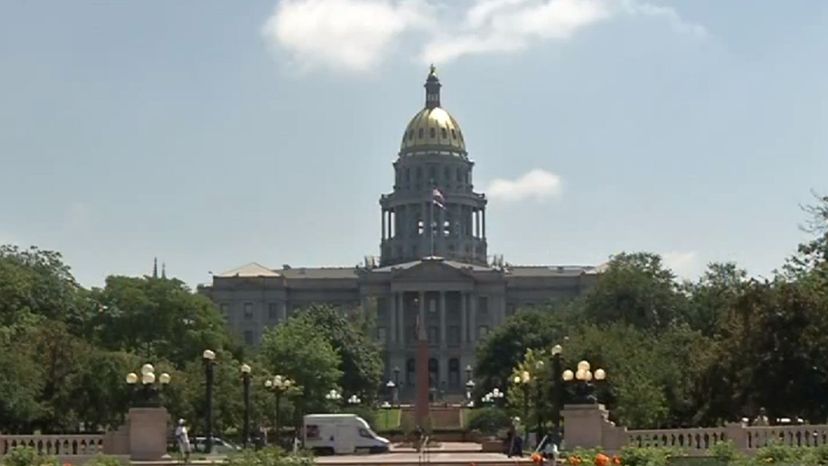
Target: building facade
433,265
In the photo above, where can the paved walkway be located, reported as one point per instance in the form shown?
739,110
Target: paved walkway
434,458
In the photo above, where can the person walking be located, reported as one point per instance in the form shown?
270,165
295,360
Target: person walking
183,440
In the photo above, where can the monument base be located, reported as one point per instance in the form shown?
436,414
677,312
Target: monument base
148,433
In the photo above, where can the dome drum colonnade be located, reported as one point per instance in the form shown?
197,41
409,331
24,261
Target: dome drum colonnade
433,157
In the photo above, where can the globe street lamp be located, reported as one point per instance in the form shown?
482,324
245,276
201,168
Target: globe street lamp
280,386
354,400
245,372
522,380
469,390
493,397
392,391
583,377
151,385
557,387
334,396
209,357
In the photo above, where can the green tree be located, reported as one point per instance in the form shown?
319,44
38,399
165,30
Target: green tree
298,350
158,318
360,359
505,347
637,290
710,299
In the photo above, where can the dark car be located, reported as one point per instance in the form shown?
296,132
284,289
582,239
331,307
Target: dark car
220,446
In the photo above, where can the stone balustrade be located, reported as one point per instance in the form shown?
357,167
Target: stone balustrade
691,440
55,445
588,426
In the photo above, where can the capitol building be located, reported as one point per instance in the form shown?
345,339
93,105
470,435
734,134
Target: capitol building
433,266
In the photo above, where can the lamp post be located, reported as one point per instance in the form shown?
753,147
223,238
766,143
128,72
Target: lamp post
334,396
583,377
150,385
538,397
392,392
354,400
469,390
280,386
208,356
557,388
397,381
522,380
245,372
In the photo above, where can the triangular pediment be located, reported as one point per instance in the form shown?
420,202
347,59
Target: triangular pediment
434,269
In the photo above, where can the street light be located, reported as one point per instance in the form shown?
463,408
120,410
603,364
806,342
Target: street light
493,397
151,385
392,391
522,380
583,377
557,387
354,400
208,357
280,386
469,390
245,372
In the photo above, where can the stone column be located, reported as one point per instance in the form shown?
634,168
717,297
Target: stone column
392,319
483,213
443,342
401,318
473,319
383,223
464,334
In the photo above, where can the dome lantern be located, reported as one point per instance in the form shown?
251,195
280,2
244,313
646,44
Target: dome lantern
432,87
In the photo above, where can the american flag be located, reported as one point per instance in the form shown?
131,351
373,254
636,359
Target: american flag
438,199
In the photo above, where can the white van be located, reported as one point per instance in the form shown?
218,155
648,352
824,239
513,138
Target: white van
328,434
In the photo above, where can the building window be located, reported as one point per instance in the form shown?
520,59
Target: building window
482,331
248,337
483,307
407,174
410,372
432,132
273,311
433,335
454,372
248,311
443,132
432,305
381,335
419,173
420,133
432,173
453,134
453,335
224,309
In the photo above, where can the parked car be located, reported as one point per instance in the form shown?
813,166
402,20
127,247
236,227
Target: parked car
220,446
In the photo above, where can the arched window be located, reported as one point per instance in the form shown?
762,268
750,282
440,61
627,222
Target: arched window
432,132
443,132
433,372
420,133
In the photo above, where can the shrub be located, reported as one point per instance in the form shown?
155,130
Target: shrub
272,456
103,460
27,456
726,452
775,454
489,420
648,456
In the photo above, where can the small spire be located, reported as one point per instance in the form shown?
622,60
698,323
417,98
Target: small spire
432,87
155,267
163,270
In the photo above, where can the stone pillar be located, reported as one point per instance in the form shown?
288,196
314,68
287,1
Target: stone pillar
483,213
383,224
587,426
401,318
464,333
473,319
392,318
147,433
422,314
443,342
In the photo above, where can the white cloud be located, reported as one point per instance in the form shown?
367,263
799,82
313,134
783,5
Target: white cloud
349,34
358,34
508,25
685,264
537,184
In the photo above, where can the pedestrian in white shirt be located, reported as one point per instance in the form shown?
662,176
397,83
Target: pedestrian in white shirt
183,440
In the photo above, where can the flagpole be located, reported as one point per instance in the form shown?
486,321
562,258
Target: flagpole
431,222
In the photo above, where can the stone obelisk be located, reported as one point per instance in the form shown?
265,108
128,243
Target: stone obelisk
421,401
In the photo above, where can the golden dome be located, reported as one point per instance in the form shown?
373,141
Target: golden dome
433,129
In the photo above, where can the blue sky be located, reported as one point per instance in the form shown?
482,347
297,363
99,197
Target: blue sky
214,133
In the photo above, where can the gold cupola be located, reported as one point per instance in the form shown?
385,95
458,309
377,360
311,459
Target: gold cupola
433,128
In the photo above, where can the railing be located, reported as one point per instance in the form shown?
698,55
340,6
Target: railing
57,445
695,439
795,436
